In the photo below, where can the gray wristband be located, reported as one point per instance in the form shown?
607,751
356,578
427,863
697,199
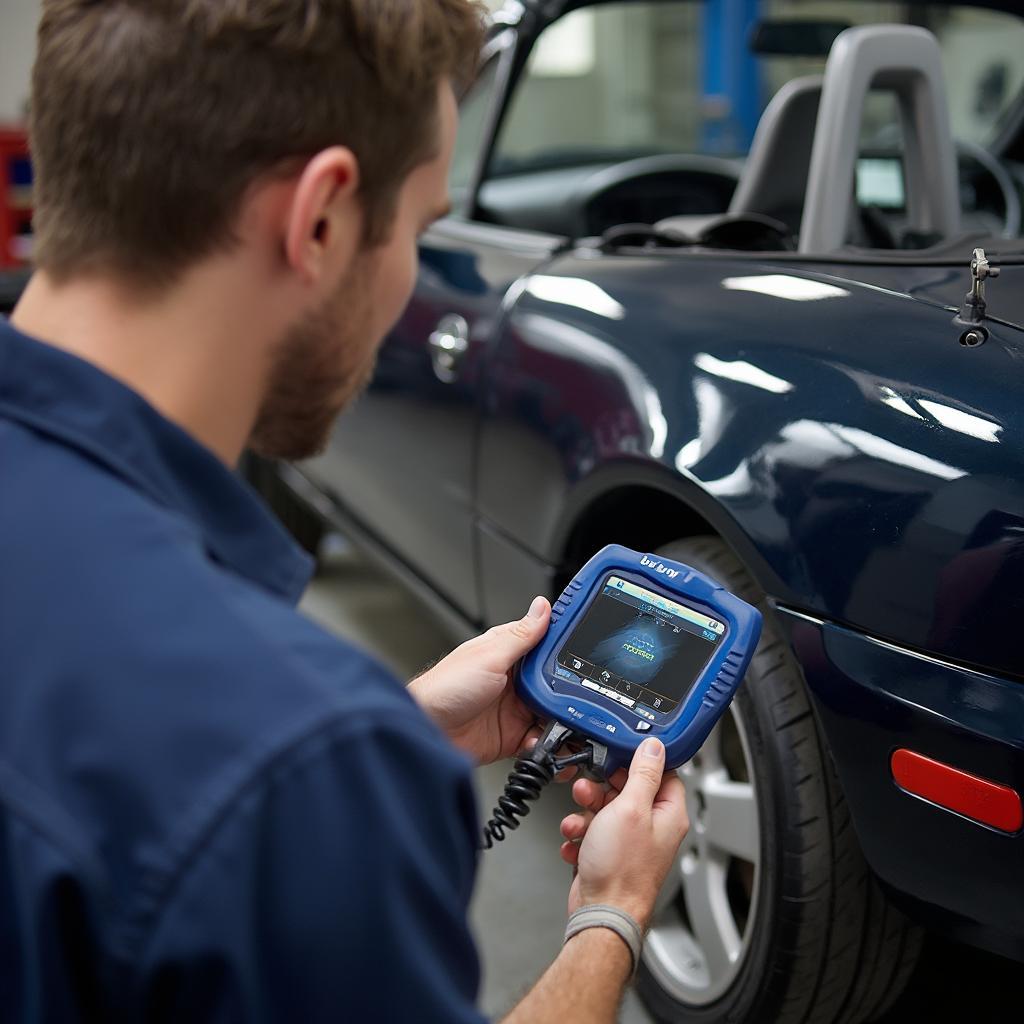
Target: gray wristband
600,915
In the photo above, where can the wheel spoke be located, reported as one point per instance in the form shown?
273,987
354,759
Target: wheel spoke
730,818
710,915
695,953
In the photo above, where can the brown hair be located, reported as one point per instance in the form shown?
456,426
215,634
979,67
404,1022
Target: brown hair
151,118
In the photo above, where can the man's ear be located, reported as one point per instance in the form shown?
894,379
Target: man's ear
324,218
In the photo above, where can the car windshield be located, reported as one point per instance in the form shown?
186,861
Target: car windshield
617,80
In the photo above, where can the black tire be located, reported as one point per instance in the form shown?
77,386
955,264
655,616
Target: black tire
825,945
305,524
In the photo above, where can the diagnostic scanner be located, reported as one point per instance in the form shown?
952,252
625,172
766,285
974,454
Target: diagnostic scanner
638,646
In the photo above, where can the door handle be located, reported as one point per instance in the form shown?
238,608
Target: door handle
448,346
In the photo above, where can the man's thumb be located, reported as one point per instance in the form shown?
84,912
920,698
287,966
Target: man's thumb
517,638
645,773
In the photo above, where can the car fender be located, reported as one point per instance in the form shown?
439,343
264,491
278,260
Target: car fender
860,461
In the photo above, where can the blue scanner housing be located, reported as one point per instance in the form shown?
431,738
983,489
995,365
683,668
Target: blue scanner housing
640,646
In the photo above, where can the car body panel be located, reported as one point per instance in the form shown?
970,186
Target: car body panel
425,504
868,459
871,699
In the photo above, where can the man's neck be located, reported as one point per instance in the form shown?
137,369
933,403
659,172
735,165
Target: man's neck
196,354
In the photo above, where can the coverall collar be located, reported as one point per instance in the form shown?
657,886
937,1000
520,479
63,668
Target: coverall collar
78,405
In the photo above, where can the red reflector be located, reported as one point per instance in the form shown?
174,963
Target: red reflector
984,801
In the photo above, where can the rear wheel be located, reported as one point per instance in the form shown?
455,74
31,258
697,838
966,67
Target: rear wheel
771,912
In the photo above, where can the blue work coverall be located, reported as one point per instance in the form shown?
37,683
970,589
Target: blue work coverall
210,809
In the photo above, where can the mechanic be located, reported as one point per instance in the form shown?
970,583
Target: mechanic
210,809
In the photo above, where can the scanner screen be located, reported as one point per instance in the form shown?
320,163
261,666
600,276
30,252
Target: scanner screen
639,648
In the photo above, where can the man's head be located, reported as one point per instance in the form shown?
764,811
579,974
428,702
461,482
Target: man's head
308,138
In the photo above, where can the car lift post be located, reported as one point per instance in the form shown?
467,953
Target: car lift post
731,84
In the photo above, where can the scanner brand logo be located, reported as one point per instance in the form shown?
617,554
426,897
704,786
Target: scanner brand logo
659,567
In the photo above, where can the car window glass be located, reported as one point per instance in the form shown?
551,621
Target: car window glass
473,115
619,80
616,81
982,56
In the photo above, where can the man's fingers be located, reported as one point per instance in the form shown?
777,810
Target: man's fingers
532,738
671,792
591,795
588,794
574,826
645,773
595,795
570,853
670,803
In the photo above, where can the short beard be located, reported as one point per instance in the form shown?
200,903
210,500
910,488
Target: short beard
321,365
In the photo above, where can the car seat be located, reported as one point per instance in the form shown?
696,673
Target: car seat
801,168
774,178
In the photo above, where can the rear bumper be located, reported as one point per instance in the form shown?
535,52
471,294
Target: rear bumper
871,699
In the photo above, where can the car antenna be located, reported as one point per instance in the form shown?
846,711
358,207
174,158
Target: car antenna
973,310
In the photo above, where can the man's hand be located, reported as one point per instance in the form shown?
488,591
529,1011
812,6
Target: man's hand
469,694
622,845
626,838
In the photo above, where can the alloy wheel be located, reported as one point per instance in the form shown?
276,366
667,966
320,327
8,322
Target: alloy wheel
704,918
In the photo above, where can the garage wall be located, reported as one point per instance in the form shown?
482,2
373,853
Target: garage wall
17,47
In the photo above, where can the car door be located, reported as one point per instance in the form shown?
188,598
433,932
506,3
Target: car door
401,462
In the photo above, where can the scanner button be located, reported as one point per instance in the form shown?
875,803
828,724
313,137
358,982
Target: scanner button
628,701
657,702
643,726
609,693
591,686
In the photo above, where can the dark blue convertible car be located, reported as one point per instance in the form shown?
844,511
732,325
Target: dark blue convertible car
710,294
721,283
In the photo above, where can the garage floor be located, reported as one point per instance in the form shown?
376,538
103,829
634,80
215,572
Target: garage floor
519,909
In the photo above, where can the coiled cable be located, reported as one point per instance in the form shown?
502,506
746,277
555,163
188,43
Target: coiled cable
529,775
525,782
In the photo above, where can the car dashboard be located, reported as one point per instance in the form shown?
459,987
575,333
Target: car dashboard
590,199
